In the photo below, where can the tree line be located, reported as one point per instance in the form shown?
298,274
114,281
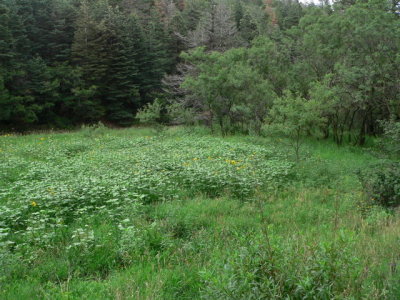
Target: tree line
245,66
331,70
66,62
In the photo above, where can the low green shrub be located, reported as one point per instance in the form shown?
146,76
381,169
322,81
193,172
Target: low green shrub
381,184
94,130
151,114
316,173
269,268
391,137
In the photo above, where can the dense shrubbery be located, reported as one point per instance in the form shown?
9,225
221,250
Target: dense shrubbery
381,184
391,137
338,85
267,268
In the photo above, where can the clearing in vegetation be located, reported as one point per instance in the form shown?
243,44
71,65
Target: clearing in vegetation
126,214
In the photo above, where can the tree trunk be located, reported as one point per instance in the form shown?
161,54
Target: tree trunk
361,136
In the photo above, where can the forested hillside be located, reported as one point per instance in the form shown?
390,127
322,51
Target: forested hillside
70,62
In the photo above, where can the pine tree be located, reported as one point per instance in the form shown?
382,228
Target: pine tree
6,38
248,29
61,35
121,90
216,29
158,57
89,46
110,49
238,12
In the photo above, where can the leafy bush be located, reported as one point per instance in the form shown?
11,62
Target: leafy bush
270,269
377,216
180,114
151,113
381,183
94,130
316,172
294,117
391,141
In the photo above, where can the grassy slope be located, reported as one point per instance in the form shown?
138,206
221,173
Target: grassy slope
308,237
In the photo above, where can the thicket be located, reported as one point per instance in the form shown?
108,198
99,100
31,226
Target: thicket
341,61
381,183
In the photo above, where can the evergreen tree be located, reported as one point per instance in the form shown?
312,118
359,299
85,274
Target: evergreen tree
158,57
121,90
6,37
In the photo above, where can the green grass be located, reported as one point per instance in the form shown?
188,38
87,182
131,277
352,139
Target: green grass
130,214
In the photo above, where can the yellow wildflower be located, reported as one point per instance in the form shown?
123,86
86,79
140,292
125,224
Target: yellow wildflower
33,203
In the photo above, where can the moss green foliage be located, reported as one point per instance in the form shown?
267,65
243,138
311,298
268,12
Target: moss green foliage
179,114
64,63
339,58
67,62
105,214
151,114
294,117
382,184
391,137
235,93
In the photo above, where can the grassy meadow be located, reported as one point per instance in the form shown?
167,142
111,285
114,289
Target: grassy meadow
182,214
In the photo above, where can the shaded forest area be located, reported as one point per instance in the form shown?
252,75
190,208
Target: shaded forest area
232,64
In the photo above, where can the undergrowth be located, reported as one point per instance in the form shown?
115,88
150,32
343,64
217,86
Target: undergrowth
124,214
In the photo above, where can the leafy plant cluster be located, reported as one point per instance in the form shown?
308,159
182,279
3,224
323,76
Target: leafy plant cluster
298,82
119,213
268,268
391,137
80,197
381,184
